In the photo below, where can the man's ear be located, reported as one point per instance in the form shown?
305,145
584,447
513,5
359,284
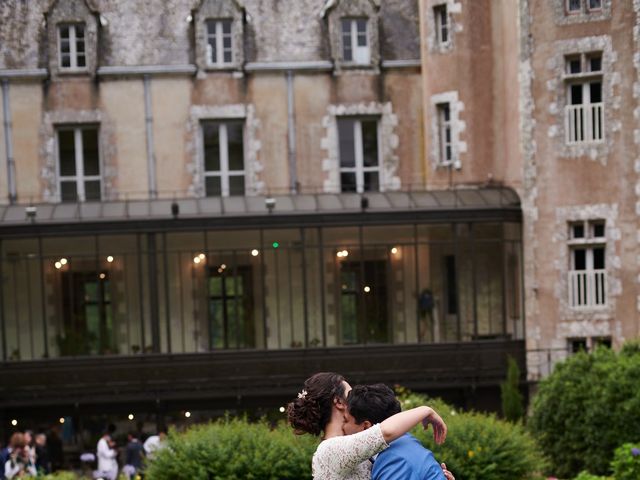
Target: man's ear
367,424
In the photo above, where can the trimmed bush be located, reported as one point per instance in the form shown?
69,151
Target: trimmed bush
587,476
61,476
512,401
586,408
626,462
234,449
478,446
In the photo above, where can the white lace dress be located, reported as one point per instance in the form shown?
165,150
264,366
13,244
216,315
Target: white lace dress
347,457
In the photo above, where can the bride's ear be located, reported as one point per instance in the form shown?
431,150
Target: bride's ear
339,403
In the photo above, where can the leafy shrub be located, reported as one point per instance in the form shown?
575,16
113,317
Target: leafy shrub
478,446
586,408
234,449
61,475
512,401
626,462
584,475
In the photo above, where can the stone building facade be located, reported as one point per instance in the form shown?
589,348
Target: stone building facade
541,96
204,201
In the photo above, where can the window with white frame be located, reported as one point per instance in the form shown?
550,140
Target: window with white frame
441,19
587,269
79,164
219,42
224,172
72,47
355,43
584,114
583,6
359,154
445,149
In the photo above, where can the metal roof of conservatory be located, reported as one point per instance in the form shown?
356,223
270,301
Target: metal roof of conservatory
264,210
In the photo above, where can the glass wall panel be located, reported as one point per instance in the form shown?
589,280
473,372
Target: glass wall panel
395,247
315,280
463,266
340,246
214,290
284,295
275,288
489,284
513,290
22,300
437,302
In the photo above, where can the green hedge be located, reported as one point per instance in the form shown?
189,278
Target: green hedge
626,462
479,446
234,449
587,408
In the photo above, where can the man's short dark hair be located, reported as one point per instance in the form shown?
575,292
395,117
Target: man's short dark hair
372,402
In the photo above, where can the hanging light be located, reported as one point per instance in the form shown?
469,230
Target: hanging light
61,420
282,409
394,250
14,422
197,260
367,289
223,266
255,252
58,265
63,261
187,414
109,259
201,256
103,276
130,417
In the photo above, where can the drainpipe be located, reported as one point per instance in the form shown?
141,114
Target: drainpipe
11,164
151,158
293,171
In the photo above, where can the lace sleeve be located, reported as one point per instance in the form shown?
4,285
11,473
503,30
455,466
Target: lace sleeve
341,455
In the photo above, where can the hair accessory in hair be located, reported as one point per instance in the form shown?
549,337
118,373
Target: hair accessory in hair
302,394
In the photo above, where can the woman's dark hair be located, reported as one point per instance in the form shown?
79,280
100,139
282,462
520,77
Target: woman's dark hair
311,410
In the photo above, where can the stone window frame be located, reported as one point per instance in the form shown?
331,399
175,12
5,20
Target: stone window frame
107,147
73,53
219,35
457,125
253,185
353,9
353,43
566,216
80,176
557,86
388,142
212,10
588,241
358,169
562,16
72,12
453,7
224,173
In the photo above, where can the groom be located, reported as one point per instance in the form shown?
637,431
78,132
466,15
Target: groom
405,458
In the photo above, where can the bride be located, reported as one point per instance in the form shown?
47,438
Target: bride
320,408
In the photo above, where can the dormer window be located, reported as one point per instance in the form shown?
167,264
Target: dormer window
219,42
355,44
71,47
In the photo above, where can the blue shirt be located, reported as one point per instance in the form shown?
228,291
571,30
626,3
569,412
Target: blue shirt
406,459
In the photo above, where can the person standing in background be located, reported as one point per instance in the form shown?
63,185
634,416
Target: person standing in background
108,455
43,464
